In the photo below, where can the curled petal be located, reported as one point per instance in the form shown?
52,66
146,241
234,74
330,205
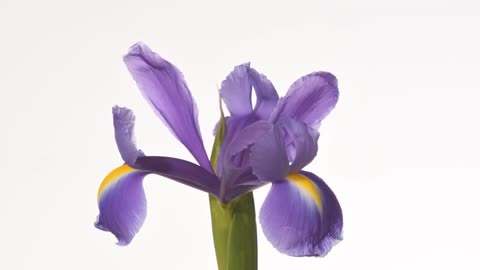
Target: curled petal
163,86
234,125
235,156
122,204
309,99
267,96
268,156
236,92
301,142
246,137
301,216
124,122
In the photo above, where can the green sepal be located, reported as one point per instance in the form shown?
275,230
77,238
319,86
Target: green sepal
217,144
233,223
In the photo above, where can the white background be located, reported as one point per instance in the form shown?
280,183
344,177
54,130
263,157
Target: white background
401,150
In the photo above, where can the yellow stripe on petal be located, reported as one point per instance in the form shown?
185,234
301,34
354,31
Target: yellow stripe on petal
307,186
113,177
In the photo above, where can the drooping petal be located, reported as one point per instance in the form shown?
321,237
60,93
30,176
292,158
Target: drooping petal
121,199
236,92
181,171
163,86
124,123
301,216
122,204
268,156
309,99
301,140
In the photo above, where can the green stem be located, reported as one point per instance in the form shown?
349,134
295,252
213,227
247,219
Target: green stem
233,224
235,233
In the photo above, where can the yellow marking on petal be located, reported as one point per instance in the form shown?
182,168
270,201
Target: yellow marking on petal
307,185
113,177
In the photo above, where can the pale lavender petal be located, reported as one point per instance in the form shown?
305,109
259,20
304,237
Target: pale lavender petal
163,86
268,157
301,216
302,142
236,91
124,123
309,99
246,137
266,94
122,204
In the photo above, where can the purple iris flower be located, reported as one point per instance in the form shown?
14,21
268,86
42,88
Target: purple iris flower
270,142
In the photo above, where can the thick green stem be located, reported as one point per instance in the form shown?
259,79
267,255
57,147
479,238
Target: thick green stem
233,224
235,233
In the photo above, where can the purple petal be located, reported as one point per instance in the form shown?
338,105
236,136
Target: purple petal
309,99
267,96
163,86
121,199
246,137
268,157
181,171
236,92
124,122
301,216
245,187
301,142
122,204
236,157
234,124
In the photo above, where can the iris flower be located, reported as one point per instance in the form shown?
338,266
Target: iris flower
270,142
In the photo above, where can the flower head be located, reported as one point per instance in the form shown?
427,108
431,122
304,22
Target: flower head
270,142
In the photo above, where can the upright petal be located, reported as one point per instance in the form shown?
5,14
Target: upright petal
236,92
309,99
124,123
122,204
163,86
301,216
267,96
